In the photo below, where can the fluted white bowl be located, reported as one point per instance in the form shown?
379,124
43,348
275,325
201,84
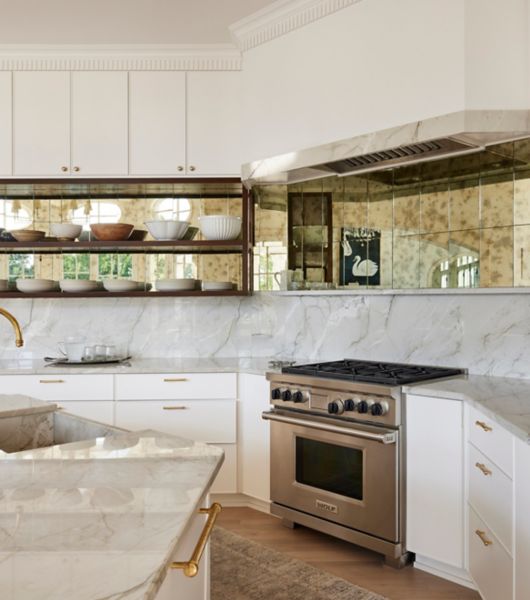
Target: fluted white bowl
167,230
220,227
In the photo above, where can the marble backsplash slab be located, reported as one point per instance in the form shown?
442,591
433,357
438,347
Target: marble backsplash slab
487,334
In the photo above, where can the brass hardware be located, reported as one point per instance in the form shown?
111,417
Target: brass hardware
483,538
51,380
174,379
175,408
191,567
64,169
19,340
192,168
483,468
483,425
180,168
77,169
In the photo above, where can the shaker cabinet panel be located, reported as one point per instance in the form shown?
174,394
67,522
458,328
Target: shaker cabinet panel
522,520
41,123
157,122
5,123
99,123
214,123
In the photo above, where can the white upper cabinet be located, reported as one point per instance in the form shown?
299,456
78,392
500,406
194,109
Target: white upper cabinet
5,123
157,122
99,123
214,123
41,123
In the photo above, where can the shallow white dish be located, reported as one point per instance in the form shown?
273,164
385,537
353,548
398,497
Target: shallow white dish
167,230
78,285
176,285
36,286
120,285
66,231
217,286
220,227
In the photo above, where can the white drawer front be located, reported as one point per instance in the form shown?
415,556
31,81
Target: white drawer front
490,566
226,480
175,386
59,387
200,420
492,440
101,411
491,495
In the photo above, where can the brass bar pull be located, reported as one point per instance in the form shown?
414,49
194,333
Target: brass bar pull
483,425
483,468
174,379
174,408
483,538
51,381
191,567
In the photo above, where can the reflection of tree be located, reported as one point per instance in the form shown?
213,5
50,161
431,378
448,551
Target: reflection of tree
115,265
21,266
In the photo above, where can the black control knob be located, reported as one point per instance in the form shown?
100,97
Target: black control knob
377,409
276,393
349,404
298,396
287,395
362,407
333,408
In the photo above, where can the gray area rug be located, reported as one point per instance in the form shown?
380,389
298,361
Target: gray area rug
245,570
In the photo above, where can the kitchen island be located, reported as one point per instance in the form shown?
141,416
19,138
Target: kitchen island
100,517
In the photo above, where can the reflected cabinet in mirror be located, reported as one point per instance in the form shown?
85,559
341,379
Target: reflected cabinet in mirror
459,222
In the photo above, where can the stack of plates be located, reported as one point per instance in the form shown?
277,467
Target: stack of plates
177,285
217,286
78,285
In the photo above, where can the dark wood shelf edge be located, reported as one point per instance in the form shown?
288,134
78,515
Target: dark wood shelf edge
102,294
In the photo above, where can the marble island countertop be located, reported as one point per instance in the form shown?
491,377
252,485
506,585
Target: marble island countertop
98,518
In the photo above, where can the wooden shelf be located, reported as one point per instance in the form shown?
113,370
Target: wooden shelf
105,294
132,247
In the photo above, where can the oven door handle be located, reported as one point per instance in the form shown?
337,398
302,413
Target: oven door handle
384,438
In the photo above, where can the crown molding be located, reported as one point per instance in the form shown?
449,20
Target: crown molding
280,18
210,57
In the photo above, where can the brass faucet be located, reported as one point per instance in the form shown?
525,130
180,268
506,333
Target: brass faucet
19,340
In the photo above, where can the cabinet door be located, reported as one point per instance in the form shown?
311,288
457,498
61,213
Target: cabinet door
435,491
253,437
5,123
157,122
103,412
214,123
99,123
41,123
522,520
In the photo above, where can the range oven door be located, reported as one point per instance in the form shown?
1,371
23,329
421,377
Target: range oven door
342,472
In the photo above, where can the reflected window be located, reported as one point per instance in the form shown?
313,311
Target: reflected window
13,215
76,266
96,212
178,209
458,272
21,266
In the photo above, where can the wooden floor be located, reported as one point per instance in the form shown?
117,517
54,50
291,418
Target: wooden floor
360,566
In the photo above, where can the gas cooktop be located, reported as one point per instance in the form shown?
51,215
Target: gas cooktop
373,372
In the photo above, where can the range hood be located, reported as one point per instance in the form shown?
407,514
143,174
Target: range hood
432,139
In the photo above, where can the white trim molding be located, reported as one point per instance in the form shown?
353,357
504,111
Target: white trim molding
280,18
210,57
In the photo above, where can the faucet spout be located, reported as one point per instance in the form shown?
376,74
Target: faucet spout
19,340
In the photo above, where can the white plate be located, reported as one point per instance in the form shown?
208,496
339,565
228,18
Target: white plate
36,286
120,285
78,285
217,286
176,285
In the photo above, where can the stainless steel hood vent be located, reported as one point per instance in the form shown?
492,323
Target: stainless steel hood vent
409,154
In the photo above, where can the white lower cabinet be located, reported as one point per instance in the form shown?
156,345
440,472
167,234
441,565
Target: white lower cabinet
102,411
522,520
60,387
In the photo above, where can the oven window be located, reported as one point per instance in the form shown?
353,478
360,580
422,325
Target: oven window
332,468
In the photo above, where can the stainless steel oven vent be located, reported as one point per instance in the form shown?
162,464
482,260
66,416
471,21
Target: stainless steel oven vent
410,153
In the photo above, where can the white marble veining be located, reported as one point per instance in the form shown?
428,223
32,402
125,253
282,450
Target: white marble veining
99,518
487,334
504,400
16,405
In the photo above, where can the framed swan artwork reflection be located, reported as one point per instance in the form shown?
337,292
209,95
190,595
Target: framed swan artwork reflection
360,256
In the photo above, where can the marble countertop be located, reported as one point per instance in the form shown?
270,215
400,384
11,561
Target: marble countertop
18,405
505,400
99,518
256,366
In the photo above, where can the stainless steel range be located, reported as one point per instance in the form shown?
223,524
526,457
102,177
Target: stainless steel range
337,449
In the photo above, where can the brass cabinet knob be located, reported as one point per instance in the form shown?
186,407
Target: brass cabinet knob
192,168
77,169
64,169
180,168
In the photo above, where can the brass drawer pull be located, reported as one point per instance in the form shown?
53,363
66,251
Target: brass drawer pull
483,468
174,379
483,425
191,567
483,538
51,380
174,408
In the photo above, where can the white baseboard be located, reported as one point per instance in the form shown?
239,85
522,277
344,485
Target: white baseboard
454,574
241,500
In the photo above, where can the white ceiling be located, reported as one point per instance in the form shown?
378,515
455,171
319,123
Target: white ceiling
122,21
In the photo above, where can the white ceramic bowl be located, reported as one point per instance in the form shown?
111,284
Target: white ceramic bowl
66,231
167,230
220,227
120,285
78,285
176,285
36,286
216,286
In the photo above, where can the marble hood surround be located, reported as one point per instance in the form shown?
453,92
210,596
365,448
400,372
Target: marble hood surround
463,132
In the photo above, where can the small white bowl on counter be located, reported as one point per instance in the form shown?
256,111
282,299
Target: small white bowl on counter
167,230
220,227
120,285
177,285
36,286
78,285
